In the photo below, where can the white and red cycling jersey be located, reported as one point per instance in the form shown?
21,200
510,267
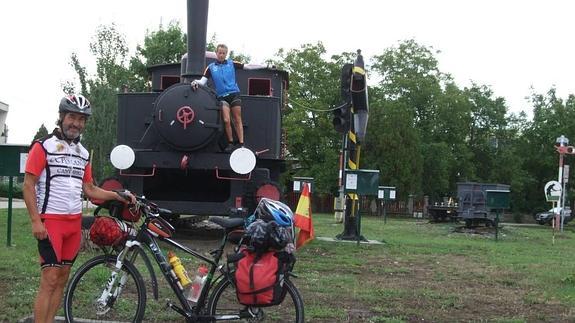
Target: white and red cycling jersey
62,168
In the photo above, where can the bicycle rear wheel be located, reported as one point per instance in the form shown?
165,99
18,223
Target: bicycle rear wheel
87,296
223,301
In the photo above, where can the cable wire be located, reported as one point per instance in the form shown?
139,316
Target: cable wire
295,102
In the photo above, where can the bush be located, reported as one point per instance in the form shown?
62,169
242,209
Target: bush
16,189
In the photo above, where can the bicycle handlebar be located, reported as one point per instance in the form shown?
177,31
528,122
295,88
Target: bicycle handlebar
148,208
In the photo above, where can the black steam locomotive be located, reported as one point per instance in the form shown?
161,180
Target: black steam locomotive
177,134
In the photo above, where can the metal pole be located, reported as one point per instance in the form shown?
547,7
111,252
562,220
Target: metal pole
9,234
342,195
554,223
384,213
343,175
563,194
497,225
357,201
560,209
358,222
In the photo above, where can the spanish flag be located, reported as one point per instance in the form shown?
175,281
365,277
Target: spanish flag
303,218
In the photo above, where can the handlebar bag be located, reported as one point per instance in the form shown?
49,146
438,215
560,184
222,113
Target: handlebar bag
121,211
259,277
117,209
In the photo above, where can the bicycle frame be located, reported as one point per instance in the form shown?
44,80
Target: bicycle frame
171,277
191,313
119,261
154,229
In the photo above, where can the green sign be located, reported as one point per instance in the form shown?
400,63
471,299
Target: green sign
386,193
497,199
12,163
299,181
362,181
13,159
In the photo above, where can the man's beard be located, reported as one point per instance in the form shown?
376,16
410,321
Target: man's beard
71,133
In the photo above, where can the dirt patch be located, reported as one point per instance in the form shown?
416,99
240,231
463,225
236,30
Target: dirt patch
448,288
439,289
482,231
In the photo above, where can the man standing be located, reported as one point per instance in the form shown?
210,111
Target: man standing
223,74
57,171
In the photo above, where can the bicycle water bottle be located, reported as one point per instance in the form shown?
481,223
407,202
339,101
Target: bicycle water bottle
178,269
198,284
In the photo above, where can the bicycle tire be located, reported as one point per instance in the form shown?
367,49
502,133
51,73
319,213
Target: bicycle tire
223,301
87,285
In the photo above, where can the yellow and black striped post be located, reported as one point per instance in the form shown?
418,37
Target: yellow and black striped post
352,224
352,143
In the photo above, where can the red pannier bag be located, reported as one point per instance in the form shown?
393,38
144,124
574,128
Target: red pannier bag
107,231
259,277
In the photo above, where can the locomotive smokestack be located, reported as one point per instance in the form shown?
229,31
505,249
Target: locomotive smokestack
197,29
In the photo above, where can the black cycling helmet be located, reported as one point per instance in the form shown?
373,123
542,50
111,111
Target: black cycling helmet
75,103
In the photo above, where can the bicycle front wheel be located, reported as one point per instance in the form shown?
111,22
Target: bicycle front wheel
223,302
99,292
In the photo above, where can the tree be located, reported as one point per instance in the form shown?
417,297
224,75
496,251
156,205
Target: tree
312,143
395,148
41,133
438,160
110,49
410,74
455,130
407,97
163,46
451,127
488,124
551,118
510,165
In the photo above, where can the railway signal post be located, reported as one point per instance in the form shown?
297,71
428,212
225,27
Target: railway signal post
350,119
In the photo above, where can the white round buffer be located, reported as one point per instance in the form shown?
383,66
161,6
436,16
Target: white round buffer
122,157
242,161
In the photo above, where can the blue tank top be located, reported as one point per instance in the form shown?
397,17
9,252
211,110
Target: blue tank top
224,78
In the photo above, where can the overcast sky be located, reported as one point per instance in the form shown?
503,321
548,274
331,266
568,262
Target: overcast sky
508,45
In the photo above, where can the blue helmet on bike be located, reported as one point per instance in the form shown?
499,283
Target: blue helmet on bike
270,210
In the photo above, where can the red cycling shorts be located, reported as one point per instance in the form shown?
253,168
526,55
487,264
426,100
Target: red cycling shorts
63,242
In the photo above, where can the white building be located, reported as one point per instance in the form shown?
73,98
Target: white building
3,127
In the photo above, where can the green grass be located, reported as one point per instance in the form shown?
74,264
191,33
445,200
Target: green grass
420,271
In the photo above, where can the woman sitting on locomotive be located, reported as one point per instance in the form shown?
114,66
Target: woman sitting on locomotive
223,74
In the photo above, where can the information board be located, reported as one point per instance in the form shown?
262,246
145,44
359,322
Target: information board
13,159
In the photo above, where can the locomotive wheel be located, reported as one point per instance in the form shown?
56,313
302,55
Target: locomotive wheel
259,189
269,190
